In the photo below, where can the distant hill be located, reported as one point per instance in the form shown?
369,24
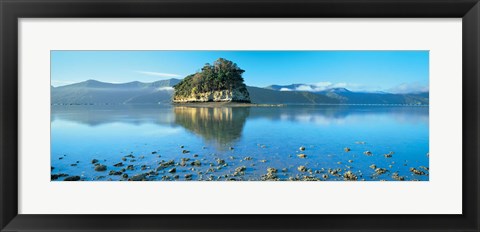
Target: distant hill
346,96
96,92
268,96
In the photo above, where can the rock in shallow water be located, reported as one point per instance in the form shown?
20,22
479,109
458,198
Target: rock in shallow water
380,171
100,168
416,171
115,173
241,169
139,177
72,178
196,163
349,176
302,168
271,170
56,176
118,164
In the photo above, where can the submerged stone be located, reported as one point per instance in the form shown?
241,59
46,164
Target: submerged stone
302,169
302,155
349,176
100,168
72,178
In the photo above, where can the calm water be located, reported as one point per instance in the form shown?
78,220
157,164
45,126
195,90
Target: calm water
254,137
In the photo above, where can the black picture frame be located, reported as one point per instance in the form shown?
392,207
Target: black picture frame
12,10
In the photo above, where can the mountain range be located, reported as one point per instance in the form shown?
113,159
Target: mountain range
96,92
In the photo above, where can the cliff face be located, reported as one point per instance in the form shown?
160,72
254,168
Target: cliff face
235,95
220,82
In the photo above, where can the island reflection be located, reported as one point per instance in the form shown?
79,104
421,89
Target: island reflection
222,125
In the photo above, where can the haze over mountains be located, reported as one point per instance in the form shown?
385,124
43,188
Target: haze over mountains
96,92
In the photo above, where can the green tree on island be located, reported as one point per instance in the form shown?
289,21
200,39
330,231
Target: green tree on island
223,75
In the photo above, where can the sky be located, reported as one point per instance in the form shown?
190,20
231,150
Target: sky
389,71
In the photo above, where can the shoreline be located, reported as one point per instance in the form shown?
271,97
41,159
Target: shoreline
225,104
234,104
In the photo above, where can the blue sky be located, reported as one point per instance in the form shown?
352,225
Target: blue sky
391,71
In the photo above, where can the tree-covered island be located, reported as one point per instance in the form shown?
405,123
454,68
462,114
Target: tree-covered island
220,82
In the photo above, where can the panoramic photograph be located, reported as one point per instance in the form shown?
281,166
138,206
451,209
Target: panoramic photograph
239,115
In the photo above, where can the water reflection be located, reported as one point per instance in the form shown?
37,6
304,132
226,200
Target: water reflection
224,125
220,125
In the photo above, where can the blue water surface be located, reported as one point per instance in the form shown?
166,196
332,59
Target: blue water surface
248,139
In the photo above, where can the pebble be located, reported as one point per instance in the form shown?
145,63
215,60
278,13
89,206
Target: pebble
271,170
302,168
240,169
100,168
56,176
220,161
349,176
72,178
380,171
139,177
94,161
196,163
416,171
115,173
395,176
369,153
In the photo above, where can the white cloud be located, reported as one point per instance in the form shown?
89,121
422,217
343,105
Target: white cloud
321,86
305,88
409,88
159,74
167,88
